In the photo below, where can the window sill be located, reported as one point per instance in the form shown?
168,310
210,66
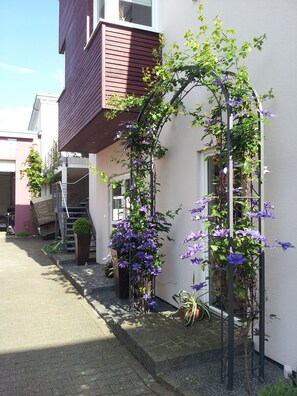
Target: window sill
118,23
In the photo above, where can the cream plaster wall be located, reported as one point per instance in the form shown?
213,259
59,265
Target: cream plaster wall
99,196
274,67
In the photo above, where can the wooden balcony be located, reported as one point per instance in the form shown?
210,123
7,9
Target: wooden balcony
112,63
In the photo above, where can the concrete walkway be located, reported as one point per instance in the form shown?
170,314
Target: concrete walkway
51,340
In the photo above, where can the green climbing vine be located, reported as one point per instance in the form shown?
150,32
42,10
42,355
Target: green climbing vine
34,173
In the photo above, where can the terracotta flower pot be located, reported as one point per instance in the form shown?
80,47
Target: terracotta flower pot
197,315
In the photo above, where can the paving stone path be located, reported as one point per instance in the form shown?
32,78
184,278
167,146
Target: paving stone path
51,340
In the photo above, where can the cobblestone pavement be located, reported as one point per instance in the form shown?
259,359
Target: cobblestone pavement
51,340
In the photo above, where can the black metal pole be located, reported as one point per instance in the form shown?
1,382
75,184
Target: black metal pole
230,268
261,260
262,316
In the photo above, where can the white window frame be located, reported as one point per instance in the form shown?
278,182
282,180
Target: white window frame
123,179
112,14
203,167
203,164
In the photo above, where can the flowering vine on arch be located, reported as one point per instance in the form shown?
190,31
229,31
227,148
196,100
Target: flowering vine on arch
233,214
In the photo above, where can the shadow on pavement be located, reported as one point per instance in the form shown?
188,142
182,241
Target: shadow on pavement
101,367
33,247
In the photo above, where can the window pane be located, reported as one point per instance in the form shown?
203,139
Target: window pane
120,205
139,12
117,204
99,10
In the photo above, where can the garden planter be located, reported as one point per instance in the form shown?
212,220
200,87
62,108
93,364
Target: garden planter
82,248
187,316
121,277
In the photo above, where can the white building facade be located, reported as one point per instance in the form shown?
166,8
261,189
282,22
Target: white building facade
182,173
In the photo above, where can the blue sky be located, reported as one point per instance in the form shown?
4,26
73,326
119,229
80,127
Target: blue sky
29,58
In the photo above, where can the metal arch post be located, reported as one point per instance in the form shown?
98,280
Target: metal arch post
261,261
230,373
164,117
197,73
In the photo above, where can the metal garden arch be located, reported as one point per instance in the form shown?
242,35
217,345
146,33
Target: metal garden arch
185,80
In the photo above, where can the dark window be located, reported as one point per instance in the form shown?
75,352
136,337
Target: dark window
139,12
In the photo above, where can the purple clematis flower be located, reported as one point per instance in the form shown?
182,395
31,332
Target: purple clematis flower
194,236
234,102
198,247
204,201
285,245
196,261
155,271
267,113
262,213
123,264
199,286
236,259
139,162
197,210
220,81
254,234
136,267
153,304
221,233
267,205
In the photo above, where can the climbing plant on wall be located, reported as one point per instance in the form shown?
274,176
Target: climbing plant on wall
33,171
232,215
213,59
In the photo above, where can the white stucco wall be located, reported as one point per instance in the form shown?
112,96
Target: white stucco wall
44,121
180,172
49,126
274,67
99,196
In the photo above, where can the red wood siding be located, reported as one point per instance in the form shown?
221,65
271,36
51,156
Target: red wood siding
127,52
111,63
81,99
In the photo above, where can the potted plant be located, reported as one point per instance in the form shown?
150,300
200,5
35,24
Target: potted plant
108,268
82,229
191,307
120,258
120,275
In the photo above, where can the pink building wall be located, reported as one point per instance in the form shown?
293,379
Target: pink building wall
23,213
15,150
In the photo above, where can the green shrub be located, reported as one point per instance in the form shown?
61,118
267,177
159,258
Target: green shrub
23,234
108,269
82,226
54,247
280,388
